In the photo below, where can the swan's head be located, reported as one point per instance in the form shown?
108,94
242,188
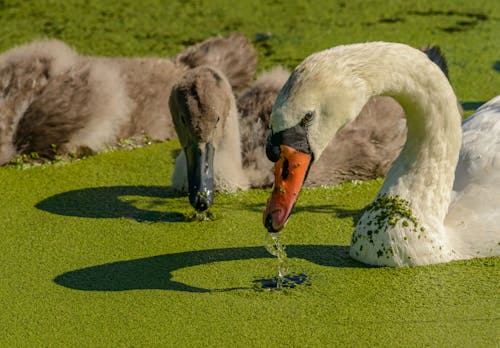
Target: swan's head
199,104
320,97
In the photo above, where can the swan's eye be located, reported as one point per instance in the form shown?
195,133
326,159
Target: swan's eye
307,118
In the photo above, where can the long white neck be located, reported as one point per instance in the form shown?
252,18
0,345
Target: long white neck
424,171
423,174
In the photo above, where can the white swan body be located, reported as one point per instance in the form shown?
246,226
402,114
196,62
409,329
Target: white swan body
474,212
405,225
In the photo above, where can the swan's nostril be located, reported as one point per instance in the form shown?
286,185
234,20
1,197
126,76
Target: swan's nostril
285,171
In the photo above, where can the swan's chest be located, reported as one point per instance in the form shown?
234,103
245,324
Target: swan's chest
391,233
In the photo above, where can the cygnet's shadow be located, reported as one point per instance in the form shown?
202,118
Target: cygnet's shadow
108,202
105,202
156,272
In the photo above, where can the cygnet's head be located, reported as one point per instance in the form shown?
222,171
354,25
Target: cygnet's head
199,104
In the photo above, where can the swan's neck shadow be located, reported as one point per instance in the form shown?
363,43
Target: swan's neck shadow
156,272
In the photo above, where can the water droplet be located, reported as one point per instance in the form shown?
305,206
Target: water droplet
275,247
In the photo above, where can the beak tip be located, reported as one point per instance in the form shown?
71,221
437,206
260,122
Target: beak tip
201,201
269,222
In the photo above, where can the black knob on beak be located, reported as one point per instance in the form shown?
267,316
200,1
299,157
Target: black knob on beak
294,137
273,148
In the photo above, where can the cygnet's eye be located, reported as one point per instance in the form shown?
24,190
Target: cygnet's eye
308,117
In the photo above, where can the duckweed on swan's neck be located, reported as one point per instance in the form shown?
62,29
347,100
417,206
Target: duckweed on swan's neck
392,209
385,213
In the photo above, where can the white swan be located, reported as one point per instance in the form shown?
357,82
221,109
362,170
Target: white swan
411,221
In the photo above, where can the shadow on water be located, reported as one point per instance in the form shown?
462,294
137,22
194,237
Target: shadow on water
156,272
496,66
472,106
312,208
342,213
105,202
301,208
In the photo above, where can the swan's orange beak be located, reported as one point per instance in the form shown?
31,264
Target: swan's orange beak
289,174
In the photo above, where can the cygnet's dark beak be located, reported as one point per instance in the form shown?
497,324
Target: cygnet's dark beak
200,164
